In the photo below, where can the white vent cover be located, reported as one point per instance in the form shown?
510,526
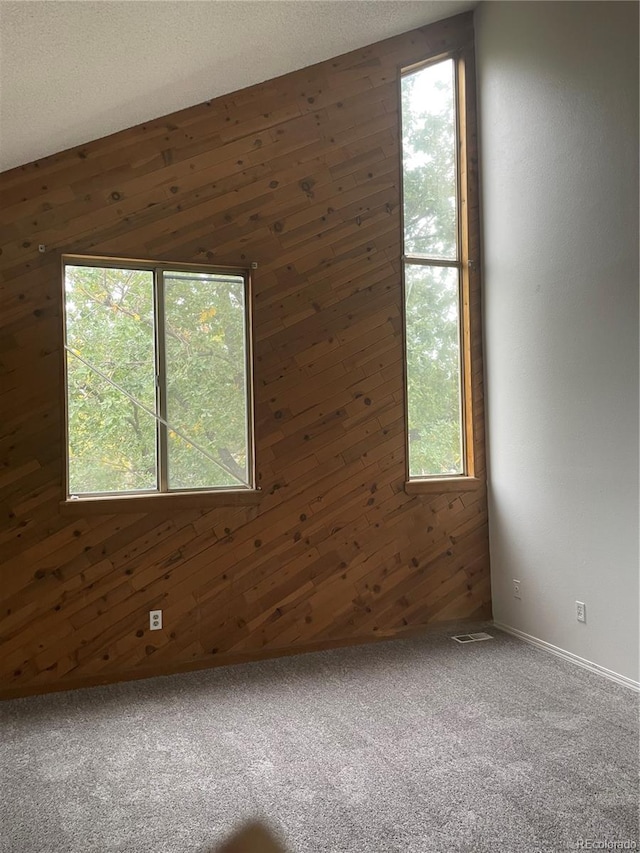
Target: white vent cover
472,638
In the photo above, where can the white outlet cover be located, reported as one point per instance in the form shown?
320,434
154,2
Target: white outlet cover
155,620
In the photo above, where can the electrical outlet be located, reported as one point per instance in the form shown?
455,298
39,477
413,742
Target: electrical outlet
155,620
581,611
516,589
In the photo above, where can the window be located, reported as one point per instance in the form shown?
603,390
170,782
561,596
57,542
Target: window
158,378
436,270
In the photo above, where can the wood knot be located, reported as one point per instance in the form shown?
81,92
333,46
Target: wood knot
307,186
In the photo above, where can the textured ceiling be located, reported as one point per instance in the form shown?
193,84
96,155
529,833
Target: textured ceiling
73,71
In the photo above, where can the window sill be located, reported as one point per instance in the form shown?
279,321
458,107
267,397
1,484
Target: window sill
162,502
438,485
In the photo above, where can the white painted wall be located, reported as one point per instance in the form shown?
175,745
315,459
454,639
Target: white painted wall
558,98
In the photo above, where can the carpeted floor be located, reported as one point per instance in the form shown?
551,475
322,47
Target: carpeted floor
418,746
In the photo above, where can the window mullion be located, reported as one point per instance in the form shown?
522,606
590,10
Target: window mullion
161,384
424,261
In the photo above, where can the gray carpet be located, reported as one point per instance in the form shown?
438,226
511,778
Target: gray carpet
419,746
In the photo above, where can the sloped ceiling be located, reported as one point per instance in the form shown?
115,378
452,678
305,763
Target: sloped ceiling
72,71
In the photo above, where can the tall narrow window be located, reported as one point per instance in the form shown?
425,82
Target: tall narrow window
158,378
433,272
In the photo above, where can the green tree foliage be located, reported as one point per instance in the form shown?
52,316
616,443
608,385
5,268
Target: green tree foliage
110,335
432,317
206,401
433,376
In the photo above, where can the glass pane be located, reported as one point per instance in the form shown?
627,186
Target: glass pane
206,380
429,162
110,331
433,371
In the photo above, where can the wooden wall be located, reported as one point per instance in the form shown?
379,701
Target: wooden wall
300,174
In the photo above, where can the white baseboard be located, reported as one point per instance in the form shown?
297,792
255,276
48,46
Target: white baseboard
583,662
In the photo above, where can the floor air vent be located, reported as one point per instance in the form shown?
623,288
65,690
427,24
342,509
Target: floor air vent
472,638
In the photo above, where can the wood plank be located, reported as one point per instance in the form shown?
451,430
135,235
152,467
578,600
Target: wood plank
302,175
